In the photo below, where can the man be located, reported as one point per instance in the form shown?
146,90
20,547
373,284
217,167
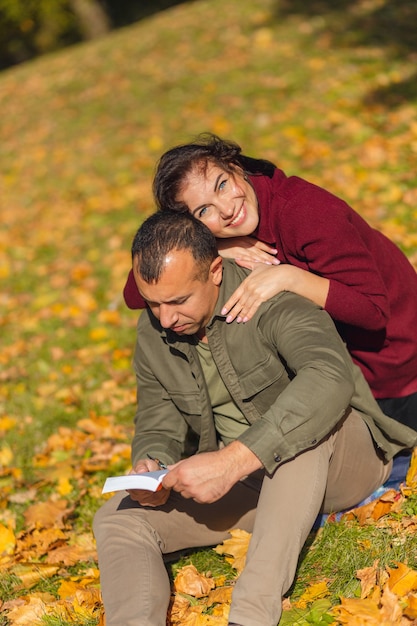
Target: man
298,428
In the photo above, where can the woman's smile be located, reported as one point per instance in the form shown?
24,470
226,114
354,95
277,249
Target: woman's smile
222,200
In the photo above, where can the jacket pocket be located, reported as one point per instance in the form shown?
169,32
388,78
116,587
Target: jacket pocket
266,373
187,403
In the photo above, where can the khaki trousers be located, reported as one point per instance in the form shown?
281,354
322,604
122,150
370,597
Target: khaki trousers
279,510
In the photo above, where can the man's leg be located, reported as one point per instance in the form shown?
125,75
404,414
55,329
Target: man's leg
132,539
345,465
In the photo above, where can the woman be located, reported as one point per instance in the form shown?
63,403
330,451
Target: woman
299,237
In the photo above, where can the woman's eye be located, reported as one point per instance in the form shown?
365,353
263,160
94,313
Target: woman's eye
202,212
222,184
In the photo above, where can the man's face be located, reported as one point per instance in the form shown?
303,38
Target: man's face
180,300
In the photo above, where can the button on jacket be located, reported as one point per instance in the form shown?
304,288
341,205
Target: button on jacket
286,369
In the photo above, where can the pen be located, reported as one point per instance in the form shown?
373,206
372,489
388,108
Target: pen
161,465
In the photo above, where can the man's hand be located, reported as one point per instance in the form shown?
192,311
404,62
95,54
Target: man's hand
143,496
208,476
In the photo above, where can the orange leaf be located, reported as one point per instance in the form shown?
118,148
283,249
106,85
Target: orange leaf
47,514
411,608
402,579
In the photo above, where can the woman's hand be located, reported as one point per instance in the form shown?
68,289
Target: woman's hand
248,250
267,281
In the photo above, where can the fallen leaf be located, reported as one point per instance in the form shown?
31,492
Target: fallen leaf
188,580
236,548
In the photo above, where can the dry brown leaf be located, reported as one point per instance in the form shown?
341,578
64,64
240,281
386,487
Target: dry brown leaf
221,595
368,577
391,610
188,580
28,614
38,542
178,608
49,514
69,555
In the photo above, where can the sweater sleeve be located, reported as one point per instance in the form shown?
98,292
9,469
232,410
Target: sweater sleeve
131,294
322,234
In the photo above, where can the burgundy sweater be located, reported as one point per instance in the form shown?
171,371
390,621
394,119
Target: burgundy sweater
373,287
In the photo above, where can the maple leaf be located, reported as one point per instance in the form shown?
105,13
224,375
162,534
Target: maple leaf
402,579
236,548
357,611
373,511
391,610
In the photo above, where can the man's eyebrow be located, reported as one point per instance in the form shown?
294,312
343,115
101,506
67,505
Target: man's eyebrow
216,184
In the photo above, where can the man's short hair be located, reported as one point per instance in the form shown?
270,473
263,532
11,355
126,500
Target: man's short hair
165,231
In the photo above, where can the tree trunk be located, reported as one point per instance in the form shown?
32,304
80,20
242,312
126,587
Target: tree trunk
94,21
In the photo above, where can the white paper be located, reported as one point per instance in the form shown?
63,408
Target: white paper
147,480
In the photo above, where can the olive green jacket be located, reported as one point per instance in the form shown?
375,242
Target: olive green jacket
287,370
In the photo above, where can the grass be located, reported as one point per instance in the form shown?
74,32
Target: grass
326,90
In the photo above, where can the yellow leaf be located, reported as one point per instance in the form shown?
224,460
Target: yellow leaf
6,456
31,573
6,423
236,547
64,486
7,541
314,592
411,477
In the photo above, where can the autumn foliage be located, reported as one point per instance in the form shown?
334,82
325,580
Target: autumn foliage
325,90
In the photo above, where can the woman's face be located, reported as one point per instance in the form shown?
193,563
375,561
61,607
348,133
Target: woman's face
226,202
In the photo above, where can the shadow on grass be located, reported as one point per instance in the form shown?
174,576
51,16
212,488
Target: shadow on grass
354,23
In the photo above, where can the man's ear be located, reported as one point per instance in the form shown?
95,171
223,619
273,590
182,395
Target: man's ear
216,270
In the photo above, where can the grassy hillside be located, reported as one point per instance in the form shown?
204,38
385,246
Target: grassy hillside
325,91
